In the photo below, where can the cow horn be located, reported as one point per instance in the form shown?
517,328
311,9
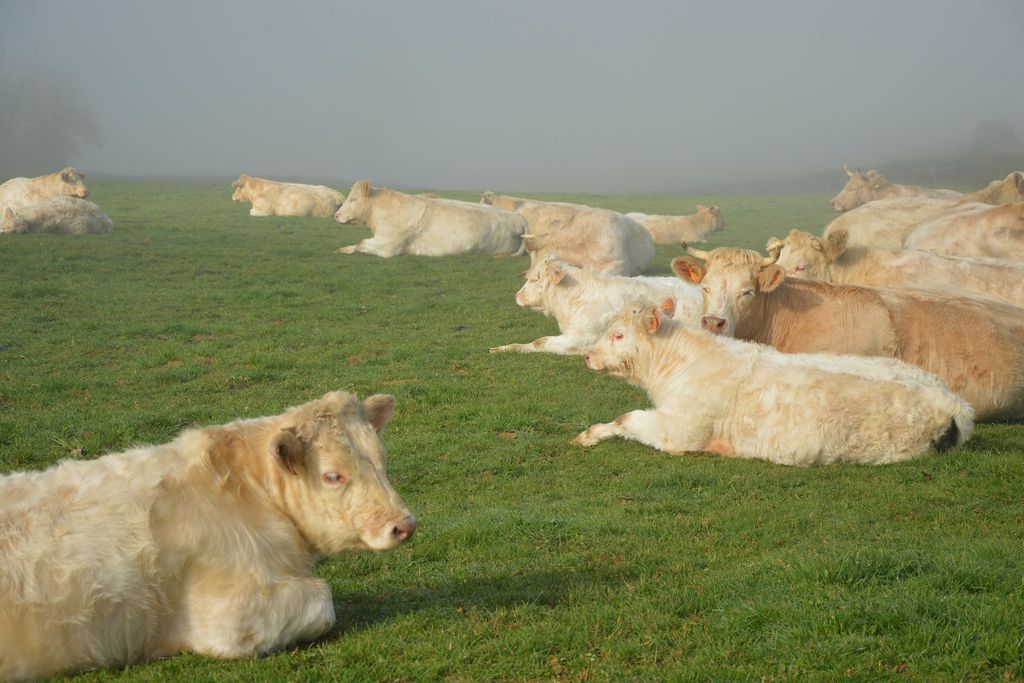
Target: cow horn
698,253
774,248
771,258
848,171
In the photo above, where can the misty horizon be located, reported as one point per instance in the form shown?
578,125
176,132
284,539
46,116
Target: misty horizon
536,97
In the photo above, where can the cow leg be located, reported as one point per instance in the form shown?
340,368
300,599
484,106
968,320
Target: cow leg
374,247
562,344
244,619
667,432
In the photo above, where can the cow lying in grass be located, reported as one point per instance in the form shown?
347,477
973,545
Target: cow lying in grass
57,215
274,198
975,344
584,302
863,187
20,192
675,229
203,544
746,400
806,257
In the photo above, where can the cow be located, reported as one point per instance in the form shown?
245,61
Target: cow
865,187
18,193
1009,189
746,400
974,344
584,302
884,223
675,229
804,256
60,215
274,198
412,224
599,239
204,544
977,230
543,217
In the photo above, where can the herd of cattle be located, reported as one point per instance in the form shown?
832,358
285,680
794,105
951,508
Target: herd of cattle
885,338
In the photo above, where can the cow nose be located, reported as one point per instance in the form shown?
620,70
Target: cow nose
586,359
712,323
404,529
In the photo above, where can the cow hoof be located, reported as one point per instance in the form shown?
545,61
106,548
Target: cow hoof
584,439
346,250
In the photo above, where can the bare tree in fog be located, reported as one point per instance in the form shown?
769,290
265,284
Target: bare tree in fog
44,121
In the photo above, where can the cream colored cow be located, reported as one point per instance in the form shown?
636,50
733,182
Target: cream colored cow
584,302
204,544
863,187
804,256
57,215
746,400
273,198
413,224
676,229
17,193
542,217
976,230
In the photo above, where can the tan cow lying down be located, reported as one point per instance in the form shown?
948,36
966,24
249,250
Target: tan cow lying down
584,302
863,187
273,198
57,215
541,217
17,193
807,257
598,239
204,544
414,224
675,229
746,400
993,231
1009,189
974,344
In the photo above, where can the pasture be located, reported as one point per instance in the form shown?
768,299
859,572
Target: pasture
534,559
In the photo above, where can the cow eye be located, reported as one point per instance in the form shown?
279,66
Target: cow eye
706,290
617,336
802,266
747,292
333,478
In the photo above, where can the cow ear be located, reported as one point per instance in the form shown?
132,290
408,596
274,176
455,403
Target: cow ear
701,208
651,320
288,451
363,186
668,306
689,269
378,409
67,174
835,243
556,274
770,277
8,214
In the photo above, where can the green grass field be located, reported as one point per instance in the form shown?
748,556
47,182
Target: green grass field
534,559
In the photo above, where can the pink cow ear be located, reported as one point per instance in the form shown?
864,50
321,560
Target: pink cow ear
288,451
8,214
652,320
770,277
689,269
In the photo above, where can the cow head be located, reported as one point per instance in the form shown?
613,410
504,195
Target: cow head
616,352
544,275
1009,189
356,207
487,198
328,471
861,188
806,257
12,223
731,280
714,214
72,183
240,187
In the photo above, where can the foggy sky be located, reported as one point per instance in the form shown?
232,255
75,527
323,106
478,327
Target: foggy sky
632,97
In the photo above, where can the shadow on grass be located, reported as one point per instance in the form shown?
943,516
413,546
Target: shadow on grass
361,610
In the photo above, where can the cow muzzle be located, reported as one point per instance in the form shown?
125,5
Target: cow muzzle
404,529
714,324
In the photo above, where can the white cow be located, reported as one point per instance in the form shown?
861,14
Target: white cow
204,544
883,224
20,192
584,302
57,215
745,400
414,224
273,198
976,230
599,239
542,217
863,187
